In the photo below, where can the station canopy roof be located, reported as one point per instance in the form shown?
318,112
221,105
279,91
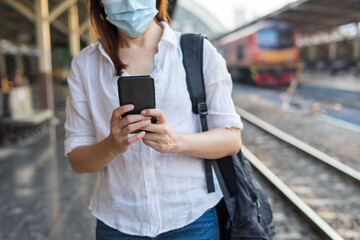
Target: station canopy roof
17,20
311,16
314,15
17,17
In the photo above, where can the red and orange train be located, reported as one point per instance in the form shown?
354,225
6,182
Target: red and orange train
264,53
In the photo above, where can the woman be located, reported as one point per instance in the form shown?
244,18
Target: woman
149,184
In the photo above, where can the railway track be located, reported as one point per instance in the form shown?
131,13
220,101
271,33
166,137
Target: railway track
324,190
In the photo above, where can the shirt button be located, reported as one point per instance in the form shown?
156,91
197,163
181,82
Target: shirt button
152,192
147,163
158,81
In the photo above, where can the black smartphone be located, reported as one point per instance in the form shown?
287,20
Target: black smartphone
139,91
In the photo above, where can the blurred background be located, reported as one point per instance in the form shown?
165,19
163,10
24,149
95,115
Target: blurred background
295,66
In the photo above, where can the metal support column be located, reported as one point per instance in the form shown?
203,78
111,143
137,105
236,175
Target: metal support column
2,66
33,64
43,40
74,30
357,44
312,53
332,51
19,61
19,69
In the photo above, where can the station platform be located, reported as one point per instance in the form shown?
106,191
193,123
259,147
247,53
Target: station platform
340,81
41,197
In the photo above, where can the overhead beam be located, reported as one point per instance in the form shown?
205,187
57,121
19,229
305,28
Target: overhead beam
60,9
306,24
85,26
29,14
65,30
57,11
341,12
317,20
312,28
21,8
61,27
86,32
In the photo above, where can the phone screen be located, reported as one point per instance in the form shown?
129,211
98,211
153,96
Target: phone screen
139,91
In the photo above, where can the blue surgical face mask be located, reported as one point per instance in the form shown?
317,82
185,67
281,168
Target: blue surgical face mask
132,17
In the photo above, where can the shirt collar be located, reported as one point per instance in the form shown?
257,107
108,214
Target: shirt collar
169,35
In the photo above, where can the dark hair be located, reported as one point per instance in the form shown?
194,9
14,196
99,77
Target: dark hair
107,33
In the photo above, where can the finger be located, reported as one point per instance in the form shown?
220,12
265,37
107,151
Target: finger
153,137
151,144
154,128
135,126
132,118
160,118
137,137
116,114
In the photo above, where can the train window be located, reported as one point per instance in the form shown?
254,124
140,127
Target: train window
286,38
267,38
240,52
272,38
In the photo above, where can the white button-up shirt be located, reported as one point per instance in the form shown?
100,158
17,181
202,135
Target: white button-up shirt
144,192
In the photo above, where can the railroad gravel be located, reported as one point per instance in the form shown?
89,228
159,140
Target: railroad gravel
288,224
336,141
331,195
334,197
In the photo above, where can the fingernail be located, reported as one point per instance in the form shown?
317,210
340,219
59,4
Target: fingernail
130,106
143,112
148,121
142,133
148,118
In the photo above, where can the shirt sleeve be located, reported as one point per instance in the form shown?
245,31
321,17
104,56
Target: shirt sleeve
218,85
79,127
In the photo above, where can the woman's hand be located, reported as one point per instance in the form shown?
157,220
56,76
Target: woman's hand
159,135
118,139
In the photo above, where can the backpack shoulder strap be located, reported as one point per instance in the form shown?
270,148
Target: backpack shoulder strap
192,49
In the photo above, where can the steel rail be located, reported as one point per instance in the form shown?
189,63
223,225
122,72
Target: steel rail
313,217
348,171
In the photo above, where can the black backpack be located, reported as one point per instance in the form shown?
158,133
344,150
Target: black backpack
244,212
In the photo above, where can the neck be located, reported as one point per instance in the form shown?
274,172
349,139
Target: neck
148,38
